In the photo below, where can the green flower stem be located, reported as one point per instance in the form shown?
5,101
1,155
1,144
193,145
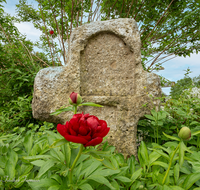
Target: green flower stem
157,135
73,165
170,163
75,109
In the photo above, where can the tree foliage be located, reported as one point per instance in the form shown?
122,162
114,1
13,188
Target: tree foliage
183,84
18,66
168,28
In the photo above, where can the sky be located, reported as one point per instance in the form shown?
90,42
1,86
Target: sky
174,68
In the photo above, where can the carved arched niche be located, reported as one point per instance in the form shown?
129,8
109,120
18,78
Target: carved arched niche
107,67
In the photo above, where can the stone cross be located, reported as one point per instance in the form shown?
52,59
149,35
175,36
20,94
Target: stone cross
104,67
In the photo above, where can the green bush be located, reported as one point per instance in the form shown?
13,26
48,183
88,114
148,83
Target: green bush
39,158
18,68
183,84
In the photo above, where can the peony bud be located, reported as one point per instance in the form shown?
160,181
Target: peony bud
75,99
184,133
51,32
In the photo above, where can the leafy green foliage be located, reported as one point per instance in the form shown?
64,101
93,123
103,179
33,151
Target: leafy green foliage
174,114
30,162
15,171
183,84
180,86
18,68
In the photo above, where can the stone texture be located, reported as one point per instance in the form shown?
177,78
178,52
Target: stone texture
104,67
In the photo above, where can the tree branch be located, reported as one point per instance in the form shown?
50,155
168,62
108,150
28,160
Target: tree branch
46,32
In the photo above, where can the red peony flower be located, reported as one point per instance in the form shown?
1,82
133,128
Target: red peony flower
51,32
84,129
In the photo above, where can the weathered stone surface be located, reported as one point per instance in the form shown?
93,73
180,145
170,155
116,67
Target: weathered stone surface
104,67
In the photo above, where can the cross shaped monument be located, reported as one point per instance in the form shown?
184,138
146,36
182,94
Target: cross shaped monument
104,67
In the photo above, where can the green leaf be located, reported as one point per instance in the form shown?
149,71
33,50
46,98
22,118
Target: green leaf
135,175
78,170
38,163
57,154
162,115
153,156
195,133
55,187
144,152
37,157
186,148
165,187
160,123
155,114
10,170
5,137
11,164
85,186
114,161
59,143
101,180
115,184
90,104
181,153
171,137
131,164
123,179
2,174
96,156
194,123
181,112
43,183
48,164
67,153
159,163
106,172
106,162
28,143
135,185
59,111
176,173
92,167
150,117
190,180
161,153
57,178
82,158
98,153
20,180
176,188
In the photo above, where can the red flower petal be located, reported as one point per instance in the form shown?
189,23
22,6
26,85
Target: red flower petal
101,134
83,131
86,115
92,122
73,97
75,139
88,137
74,122
94,142
78,115
71,131
103,124
62,129
98,129
83,123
